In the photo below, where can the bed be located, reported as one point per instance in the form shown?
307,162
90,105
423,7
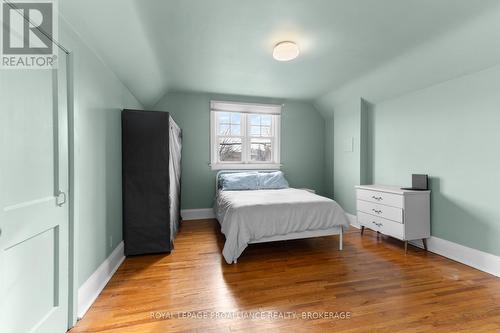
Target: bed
254,214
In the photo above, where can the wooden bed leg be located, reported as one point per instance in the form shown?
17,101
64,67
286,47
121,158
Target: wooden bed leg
362,230
341,246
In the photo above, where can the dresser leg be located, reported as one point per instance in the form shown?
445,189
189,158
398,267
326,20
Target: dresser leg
341,239
424,241
406,247
362,229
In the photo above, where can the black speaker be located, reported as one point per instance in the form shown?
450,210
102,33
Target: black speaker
418,183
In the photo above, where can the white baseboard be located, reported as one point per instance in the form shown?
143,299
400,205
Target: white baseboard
483,261
88,292
480,260
353,220
197,214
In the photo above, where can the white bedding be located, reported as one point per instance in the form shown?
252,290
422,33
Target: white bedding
247,216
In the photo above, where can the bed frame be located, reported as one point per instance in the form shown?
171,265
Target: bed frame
294,235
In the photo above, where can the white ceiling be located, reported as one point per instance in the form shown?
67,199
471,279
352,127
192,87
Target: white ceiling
225,46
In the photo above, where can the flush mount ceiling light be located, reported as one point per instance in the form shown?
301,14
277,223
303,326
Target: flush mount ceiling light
286,51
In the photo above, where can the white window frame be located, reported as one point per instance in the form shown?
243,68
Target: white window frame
245,110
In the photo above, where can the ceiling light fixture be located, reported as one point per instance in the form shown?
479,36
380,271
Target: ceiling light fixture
286,51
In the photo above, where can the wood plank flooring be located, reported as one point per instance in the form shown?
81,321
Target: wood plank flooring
382,289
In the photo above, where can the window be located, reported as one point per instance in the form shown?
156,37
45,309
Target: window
244,136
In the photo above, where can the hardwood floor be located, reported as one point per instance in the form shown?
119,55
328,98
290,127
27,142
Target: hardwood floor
372,279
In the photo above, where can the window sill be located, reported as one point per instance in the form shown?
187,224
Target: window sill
246,166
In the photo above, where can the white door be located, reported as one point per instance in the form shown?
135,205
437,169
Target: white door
33,209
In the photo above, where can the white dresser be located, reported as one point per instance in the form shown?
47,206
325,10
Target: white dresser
402,214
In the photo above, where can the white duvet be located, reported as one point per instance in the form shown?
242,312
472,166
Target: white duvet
247,216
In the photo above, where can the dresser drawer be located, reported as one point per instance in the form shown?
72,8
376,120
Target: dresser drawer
384,198
386,227
387,212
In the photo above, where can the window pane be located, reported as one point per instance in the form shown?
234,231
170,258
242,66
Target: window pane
224,117
235,129
235,118
265,131
230,149
224,130
244,137
266,120
255,130
260,150
254,119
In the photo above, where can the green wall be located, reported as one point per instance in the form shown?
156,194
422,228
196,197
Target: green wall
433,109
451,132
346,147
329,154
99,99
347,152
302,143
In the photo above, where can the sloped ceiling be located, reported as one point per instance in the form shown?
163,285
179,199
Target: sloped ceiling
471,47
225,46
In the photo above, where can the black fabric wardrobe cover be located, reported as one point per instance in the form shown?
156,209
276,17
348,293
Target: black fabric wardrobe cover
146,159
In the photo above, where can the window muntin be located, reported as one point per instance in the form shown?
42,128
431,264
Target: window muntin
260,125
229,123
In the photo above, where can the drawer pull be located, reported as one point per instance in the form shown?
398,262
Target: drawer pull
377,224
376,198
377,211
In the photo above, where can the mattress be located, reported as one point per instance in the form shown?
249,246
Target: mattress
247,216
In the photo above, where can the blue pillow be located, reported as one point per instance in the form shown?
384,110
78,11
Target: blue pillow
272,180
239,181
